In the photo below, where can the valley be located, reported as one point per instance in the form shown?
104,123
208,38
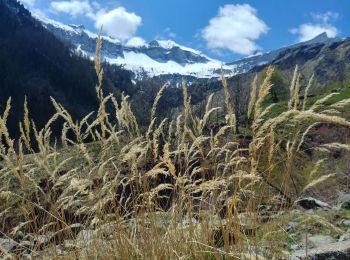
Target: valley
113,149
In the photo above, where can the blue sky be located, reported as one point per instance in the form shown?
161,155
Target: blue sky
225,30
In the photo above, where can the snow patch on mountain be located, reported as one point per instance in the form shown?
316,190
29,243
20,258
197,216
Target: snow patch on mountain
158,57
168,44
139,62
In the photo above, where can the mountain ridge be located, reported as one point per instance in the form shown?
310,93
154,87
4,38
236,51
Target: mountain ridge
248,63
166,57
155,58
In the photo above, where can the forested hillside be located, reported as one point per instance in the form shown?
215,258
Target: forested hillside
34,63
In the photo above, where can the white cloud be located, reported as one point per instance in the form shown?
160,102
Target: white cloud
96,5
325,17
236,28
118,23
308,31
136,42
31,5
73,7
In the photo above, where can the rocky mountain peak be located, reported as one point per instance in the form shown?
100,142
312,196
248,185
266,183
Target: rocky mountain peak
154,43
322,38
77,27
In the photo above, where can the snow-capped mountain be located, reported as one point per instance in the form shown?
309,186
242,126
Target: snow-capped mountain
158,57
164,57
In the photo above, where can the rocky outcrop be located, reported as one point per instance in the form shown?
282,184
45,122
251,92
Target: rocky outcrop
311,203
344,201
7,244
333,251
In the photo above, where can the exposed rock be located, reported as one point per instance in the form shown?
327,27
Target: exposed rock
7,244
311,203
291,226
70,244
345,222
265,208
29,255
270,216
26,256
344,201
107,230
19,236
321,240
333,251
42,239
26,244
39,239
52,252
299,246
85,237
345,237
345,205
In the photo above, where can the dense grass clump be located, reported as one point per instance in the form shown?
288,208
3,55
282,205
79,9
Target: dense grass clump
175,191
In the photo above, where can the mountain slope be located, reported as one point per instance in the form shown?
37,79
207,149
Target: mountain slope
35,63
248,63
329,61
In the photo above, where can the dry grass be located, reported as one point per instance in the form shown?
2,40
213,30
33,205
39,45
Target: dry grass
170,193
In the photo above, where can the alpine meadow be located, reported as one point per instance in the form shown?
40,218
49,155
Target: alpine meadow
120,149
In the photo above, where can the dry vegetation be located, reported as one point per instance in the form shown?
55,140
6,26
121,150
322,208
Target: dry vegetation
175,191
